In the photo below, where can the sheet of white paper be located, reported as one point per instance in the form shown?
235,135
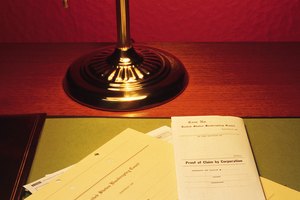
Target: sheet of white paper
40,183
163,133
214,159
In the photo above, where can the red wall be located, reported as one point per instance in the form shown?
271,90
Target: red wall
151,20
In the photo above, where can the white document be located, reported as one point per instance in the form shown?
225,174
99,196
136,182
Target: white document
40,183
163,133
214,159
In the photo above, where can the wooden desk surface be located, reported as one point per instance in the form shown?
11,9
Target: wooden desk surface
240,79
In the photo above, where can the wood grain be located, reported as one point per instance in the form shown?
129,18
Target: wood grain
240,79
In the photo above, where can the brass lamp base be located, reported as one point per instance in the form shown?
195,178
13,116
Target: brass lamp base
129,79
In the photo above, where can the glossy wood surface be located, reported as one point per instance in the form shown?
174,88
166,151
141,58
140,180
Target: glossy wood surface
240,79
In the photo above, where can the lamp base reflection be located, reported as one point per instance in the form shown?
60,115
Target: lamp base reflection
129,79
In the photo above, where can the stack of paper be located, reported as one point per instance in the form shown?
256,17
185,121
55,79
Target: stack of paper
213,160
130,166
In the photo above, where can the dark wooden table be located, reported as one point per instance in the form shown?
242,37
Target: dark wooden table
240,79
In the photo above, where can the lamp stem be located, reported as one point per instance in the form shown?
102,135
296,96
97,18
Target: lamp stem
123,24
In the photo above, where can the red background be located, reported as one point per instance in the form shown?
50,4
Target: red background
151,20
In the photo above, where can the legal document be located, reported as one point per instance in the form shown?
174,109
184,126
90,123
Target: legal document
214,159
130,166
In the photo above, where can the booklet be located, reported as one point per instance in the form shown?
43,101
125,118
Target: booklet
214,159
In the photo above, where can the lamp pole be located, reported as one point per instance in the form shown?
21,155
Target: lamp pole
123,24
